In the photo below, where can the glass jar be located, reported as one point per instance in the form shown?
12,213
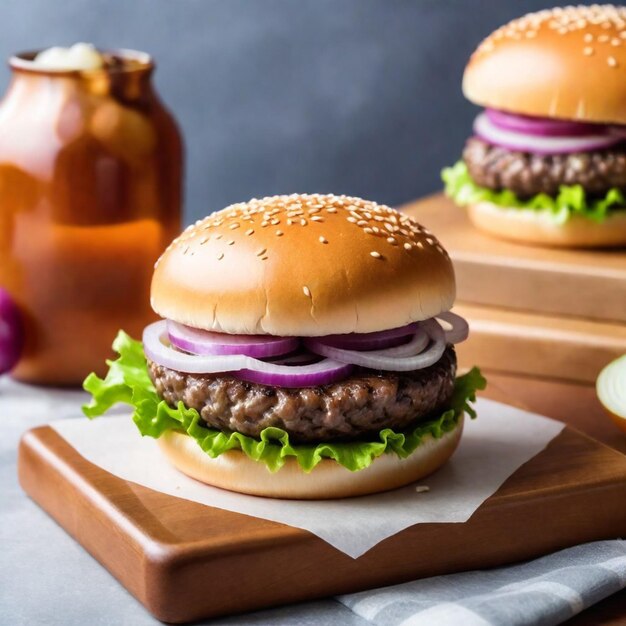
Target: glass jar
90,195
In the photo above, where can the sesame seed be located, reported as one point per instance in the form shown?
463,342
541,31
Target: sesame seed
261,252
603,38
612,62
376,255
234,226
289,222
392,241
323,239
407,246
306,291
331,210
274,221
616,42
231,242
264,223
362,223
220,256
369,231
303,222
352,219
587,51
203,240
588,38
317,218
218,236
250,231
279,233
264,258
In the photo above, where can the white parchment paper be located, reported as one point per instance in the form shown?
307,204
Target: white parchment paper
492,448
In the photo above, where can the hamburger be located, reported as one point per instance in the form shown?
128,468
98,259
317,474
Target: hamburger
546,163
306,350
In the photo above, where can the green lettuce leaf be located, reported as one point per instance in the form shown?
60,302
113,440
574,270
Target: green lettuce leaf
127,382
571,199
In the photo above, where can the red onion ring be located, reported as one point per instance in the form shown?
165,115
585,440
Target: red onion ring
248,368
386,359
371,341
460,328
542,126
11,333
298,358
512,140
204,342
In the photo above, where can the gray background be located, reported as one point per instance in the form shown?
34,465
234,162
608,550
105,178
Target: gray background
279,96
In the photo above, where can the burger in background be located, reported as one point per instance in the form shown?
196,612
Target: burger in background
547,162
306,351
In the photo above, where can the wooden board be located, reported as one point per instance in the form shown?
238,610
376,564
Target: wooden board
578,283
185,561
539,345
575,404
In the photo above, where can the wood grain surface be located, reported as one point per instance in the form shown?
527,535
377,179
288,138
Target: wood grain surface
539,345
577,283
185,561
542,312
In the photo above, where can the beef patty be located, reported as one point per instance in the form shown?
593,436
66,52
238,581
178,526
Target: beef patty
363,403
528,174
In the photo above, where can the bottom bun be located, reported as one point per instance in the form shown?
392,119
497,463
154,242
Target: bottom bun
234,471
537,227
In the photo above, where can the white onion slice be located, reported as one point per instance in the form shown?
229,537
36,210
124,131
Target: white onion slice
204,342
460,328
321,373
513,140
381,360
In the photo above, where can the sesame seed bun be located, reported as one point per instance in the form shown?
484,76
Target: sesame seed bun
303,265
567,63
539,228
235,471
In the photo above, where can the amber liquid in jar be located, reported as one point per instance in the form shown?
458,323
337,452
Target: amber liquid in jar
90,195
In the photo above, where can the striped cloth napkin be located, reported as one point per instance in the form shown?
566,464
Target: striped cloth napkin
545,591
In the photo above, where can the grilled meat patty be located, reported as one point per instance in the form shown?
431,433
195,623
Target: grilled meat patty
528,174
362,404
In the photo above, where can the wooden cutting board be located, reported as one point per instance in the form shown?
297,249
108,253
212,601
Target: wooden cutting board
534,311
185,561
576,283
537,344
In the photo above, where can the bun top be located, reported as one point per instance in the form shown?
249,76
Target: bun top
567,63
303,265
